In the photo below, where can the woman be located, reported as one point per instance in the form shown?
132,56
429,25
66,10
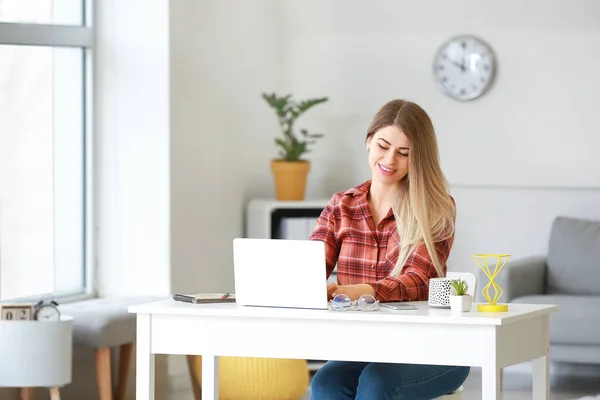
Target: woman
388,237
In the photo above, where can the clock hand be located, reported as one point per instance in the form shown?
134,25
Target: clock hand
461,66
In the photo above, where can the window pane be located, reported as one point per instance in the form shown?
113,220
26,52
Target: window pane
60,12
41,171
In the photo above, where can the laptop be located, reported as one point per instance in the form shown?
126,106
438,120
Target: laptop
280,273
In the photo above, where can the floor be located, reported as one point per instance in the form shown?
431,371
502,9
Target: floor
567,383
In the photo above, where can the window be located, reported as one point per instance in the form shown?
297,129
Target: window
45,147
56,12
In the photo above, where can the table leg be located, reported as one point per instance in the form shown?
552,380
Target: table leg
27,393
541,366
194,376
541,378
54,393
490,382
210,377
144,359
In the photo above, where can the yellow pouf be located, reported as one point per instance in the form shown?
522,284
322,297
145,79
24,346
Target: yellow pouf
245,378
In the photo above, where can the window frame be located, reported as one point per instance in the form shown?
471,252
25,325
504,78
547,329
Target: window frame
80,37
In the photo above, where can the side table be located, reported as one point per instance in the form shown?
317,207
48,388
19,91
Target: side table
36,354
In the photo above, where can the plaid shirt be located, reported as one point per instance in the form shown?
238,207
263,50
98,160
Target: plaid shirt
365,253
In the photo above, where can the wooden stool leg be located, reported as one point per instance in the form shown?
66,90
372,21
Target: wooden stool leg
191,359
27,393
124,362
54,393
103,373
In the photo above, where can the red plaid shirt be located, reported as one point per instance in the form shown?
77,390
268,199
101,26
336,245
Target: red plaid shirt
365,253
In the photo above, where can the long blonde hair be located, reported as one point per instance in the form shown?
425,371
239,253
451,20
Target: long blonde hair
424,211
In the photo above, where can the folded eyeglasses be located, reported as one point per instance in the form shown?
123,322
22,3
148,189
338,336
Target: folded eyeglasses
366,302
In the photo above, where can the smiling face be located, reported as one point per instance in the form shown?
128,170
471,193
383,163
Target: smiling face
388,155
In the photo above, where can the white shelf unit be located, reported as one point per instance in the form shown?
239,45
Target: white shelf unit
263,216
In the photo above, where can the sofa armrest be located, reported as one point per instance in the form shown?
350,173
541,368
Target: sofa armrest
523,277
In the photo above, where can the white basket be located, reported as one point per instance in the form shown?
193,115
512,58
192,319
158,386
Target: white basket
36,353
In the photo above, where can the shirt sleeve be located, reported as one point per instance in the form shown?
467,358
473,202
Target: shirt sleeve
325,231
413,282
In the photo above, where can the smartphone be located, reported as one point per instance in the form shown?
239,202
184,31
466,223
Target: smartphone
399,305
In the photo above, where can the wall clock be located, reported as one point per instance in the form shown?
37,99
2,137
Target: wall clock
464,67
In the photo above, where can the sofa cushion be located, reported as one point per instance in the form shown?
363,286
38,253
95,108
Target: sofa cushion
577,320
574,257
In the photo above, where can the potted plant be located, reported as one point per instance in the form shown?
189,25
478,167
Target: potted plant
460,300
290,171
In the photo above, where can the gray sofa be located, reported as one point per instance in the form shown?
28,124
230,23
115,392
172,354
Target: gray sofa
568,276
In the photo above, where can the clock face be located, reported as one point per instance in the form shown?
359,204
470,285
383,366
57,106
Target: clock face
48,313
464,67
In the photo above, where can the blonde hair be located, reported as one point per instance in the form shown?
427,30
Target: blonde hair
424,211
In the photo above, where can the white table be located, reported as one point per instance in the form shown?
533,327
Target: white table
488,340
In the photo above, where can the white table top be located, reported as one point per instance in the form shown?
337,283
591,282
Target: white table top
423,313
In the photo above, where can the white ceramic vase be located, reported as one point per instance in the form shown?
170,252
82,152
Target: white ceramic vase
461,303
439,292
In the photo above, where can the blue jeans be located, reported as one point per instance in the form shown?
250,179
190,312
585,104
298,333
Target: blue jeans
341,380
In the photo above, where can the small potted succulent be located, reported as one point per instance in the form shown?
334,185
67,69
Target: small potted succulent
460,299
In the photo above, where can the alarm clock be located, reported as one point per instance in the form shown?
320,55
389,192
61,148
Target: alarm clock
47,311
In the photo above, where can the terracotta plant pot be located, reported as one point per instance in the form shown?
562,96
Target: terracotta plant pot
290,178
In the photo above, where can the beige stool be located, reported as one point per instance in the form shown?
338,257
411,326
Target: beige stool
27,393
102,324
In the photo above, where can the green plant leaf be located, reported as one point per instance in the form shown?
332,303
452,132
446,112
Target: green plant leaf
459,287
307,104
287,110
284,146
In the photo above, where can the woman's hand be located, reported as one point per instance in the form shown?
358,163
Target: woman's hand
352,291
331,289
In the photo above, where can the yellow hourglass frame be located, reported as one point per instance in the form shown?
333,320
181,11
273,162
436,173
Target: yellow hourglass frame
481,260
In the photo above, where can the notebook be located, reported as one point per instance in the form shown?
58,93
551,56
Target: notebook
200,298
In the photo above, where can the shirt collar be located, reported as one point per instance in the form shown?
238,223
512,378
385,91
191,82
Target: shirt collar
359,190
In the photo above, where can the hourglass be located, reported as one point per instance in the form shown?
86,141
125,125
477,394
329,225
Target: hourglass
500,260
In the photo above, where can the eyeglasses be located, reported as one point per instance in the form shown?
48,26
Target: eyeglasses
366,302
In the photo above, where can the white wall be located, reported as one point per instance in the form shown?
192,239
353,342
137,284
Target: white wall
132,154
525,132
536,127
515,158
132,148
220,62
